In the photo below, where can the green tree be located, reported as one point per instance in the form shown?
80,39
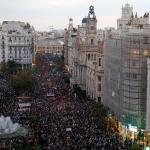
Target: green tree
23,82
80,93
11,67
99,112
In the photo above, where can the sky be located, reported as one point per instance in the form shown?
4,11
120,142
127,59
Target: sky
43,14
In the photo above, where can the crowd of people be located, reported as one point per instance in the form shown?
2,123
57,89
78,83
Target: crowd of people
59,121
7,103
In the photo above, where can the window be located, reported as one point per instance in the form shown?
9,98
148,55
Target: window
99,61
134,76
92,27
10,39
145,40
92,41
99,99
133,63
94,56
88,56
99,78
91,56
146,53
99,87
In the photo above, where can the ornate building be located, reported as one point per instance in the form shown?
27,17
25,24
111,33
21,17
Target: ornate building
84,56
17,43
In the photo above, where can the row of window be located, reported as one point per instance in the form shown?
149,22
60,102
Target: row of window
19,51
99,88
19,39
19,56
49,47
99,78
139,52
131,75
91,57
15,38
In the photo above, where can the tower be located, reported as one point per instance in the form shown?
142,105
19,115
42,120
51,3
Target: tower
70,26
127,11
127,14
91,21
91,26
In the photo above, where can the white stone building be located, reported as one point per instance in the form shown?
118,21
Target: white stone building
84,55
17,43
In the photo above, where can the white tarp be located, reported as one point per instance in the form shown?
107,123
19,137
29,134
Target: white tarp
24,106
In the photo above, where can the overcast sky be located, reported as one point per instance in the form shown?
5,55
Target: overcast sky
43,14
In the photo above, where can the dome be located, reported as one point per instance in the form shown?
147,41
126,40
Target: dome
84,20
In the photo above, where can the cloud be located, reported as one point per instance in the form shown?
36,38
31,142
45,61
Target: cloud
44,13
65,3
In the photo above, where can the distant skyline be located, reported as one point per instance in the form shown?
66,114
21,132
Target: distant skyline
43,14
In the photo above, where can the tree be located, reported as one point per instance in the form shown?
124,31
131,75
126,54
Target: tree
11,67
23,82
100,114
99,110
66,79
80,93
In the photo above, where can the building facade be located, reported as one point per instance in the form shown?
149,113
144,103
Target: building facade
126,52
17,43
54,46
84,55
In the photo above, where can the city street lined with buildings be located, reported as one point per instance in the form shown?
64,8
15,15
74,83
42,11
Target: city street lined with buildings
80,88
61,121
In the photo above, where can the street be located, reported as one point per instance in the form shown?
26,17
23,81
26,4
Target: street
57,119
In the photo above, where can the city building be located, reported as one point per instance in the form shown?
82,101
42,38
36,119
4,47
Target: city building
47,45
17,43
52,34
126,52
84,55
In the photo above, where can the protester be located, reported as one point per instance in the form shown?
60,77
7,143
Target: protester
61,121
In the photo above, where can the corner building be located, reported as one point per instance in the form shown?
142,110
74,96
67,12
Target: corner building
17,43
126,52
84,55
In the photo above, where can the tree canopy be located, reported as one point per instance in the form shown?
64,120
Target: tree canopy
10,67
23,82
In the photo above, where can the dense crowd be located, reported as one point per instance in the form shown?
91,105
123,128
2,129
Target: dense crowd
61,122
7,103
